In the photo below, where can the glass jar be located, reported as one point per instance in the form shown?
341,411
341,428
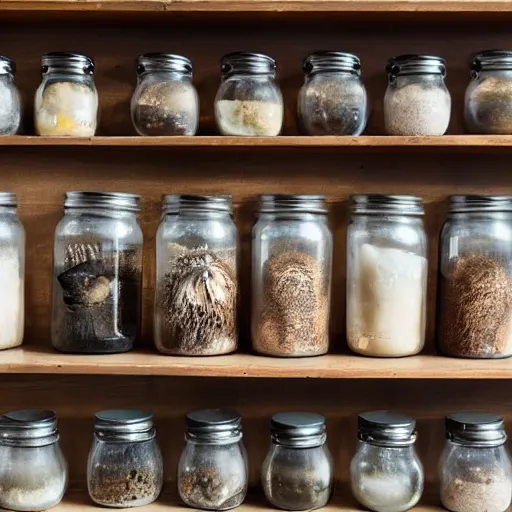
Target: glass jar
197,287
249,101
97,268
417,101
125,466
386,473
212,472
33,471
66,102
386,276
475,468
333,99
475,278
10,101
298,471
291,276
165,101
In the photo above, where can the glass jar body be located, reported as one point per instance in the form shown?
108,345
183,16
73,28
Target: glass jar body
10,106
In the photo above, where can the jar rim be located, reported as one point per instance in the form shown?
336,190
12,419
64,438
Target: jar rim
120,201
124,425
67,61
492,60
247,63
386,428
480,203
325,61
290,203
28,427
213,425
7,66
153,62
177,203
475,428
416,64
387,204
8,199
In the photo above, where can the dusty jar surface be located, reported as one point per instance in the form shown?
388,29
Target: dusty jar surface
10,101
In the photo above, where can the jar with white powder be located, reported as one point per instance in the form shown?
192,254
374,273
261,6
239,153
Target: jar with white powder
33,471
386,276
10,103
386,473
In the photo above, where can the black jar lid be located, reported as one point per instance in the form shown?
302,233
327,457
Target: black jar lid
214,425
149,62
480,203
298,429
321,62
416,64
286,203
30,428
8,199
492,60
67,61
7,66
385,428
478,429
386,204
247,63
124,424
107,200
175,203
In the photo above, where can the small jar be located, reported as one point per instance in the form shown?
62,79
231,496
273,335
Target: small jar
417,101
291,276
386,473
125,466
333,99
10,101
97,269
165,101
212,472
475,470
298,471
386,276
33,471
66,102
249,101
475,278
197,287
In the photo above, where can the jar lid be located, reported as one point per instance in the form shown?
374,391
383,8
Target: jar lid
108,200
67,61
149,62
492,60
124,424
30,427
7,66
416,65
298,429
284,203
385,428
247,63
214,425
478,429
319,62
480,203
8,199
386,204
173,203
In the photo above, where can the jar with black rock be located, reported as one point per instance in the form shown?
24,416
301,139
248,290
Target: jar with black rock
475,278
386,473
475,469
10,101
97,273
33,471
249,101
298,471
125,466
333,99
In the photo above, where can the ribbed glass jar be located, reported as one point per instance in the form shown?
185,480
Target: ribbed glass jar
10,101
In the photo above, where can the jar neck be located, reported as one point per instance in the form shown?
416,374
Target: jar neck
376,448
100,212
213,440
295,216
197,215
422,78
256,77
298,443
165,75
125,437
21,442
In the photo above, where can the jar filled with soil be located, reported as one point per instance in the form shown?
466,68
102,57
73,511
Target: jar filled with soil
212,472
333,99
66,102
33,471
386,474
249,101
475,469
165,101
298,472
417,101
10,101
97,274
197,287
475,278
125,466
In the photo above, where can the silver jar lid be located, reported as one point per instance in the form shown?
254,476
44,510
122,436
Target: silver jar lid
247,63
150,62
124,425
480,203
298,429
108,200
7,66
476,429
386,204
492,60
387,429
321,62
283,203
8,199
174,203
213,426
415,64
67,62
28,428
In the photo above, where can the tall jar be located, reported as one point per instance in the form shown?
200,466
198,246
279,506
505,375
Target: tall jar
249,101
10,101
125,466
475,278
66,102
165,101
475,469
97,269
197,287
298,471
33,471
333,99
417,101
291,276
386,473
386,276
212,471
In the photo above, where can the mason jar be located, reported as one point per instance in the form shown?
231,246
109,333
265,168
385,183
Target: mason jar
386,276
33,471
475,470
386,473
10,101
97,273
333,99
165,101
417,101
249,101
66,102
125,465
212,471
298,471
196,274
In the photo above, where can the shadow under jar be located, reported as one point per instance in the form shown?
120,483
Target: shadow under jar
475,278
125,466
197,286
10,102
212,471
475,468
97,274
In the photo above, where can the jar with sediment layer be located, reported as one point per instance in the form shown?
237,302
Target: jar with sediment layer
291,276
197,286
386,276
66,102
10,101
249,101
97,274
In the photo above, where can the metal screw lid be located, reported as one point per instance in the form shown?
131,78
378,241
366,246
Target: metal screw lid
480,203
30,427
67,61
173,203
298,429
478,429
247,63
7,66
108,200
124,424
283,203
386,204
385,428
150,62
321,62
8,199
214,425
492,60
415,64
